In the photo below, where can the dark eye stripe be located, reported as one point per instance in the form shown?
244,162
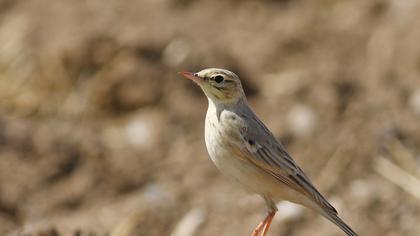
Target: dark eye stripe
220,88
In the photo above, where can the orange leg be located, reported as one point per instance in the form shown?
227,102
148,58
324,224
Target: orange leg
268,223
264,225
258,229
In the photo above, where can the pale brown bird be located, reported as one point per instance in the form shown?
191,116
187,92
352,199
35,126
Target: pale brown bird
243,148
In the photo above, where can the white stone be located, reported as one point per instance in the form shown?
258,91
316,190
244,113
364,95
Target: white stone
189,224
288,211
360,188
176,52
302,120
138,132
414,101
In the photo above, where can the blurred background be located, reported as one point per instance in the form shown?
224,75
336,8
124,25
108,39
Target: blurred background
100,136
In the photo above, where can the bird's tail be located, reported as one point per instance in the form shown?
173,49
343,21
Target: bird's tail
333,217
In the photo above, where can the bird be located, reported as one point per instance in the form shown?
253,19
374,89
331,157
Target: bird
245,150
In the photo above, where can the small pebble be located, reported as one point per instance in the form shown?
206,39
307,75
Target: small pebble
289,211
360,189
189,224
414,101
154,193
138,132
302,120
176,52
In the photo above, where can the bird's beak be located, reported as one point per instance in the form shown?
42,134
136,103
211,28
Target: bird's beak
191,76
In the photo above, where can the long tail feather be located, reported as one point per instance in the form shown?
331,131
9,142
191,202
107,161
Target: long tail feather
340,223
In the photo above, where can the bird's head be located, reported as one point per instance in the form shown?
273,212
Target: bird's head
219,85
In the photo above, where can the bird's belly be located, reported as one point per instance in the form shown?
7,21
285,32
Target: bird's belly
249,176
227,163
238,170
243,172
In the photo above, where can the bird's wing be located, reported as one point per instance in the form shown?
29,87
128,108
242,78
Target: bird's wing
260,147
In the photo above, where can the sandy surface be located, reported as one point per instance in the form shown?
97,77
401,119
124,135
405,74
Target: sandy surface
100,136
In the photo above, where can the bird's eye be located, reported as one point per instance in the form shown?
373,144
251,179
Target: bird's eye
218,78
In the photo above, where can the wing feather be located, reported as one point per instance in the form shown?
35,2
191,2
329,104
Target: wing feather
262,149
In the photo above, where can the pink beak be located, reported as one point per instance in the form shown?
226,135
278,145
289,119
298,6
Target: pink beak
191,76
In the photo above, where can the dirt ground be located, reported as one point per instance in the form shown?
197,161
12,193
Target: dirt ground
100,136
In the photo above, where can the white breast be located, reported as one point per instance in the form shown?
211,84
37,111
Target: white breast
234,167
213,135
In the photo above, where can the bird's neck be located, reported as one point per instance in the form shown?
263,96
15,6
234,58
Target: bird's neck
227,103
218,106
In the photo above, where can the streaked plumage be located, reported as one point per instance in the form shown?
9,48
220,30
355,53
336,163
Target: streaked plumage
243,148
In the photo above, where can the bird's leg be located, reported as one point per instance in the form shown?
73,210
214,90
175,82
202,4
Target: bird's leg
264,225
269,218
258,229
